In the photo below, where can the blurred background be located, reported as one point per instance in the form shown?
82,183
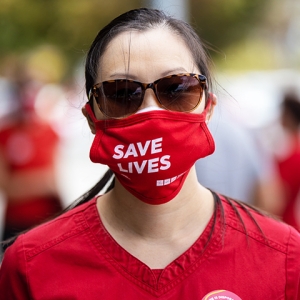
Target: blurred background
255,48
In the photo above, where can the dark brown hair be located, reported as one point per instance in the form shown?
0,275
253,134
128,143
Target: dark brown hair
141,20
291,105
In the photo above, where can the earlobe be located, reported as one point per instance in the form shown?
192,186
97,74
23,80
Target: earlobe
89,120
214,100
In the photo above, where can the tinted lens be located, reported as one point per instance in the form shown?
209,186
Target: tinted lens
119,98
179,93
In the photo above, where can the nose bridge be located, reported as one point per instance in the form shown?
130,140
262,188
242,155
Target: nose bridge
150,98
148,86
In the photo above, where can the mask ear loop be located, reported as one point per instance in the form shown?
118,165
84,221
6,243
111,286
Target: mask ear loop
89,108
90,98
208,108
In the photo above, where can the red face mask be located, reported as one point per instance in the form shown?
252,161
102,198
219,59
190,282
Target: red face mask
151,153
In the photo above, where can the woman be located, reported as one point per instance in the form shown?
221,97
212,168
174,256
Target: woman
157,233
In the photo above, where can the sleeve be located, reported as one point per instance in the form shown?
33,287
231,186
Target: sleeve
13,282
293,267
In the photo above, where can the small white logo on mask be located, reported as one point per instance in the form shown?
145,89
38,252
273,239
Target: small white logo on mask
167,181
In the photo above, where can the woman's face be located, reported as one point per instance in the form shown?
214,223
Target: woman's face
146,57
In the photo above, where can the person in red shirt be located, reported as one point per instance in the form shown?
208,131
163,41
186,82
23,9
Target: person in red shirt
28,148
155,232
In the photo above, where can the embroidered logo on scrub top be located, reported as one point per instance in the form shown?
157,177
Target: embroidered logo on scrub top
221,294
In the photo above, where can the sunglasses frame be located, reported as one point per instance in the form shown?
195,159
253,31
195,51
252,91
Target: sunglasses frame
153,85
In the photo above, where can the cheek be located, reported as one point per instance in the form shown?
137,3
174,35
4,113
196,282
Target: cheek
98,113
200,107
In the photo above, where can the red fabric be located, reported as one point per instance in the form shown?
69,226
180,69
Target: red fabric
31,211
289,170
74,257
27,146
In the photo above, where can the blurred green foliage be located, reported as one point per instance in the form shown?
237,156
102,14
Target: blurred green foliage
223,23
71,25
230,28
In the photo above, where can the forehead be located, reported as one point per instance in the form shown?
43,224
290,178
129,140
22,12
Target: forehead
146,55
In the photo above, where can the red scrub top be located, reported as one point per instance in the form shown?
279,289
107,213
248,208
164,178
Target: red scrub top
74,257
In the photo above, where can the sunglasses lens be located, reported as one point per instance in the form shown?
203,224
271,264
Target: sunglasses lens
119,98
179,93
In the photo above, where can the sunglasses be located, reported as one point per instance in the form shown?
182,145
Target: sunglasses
122,97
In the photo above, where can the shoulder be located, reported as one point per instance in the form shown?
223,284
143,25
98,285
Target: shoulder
259,226
49,239
275,242
52,245
264,241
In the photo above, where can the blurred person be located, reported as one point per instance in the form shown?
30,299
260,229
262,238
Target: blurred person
288,159
28,147
154,232
240,168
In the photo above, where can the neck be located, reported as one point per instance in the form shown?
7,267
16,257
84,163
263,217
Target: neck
188,212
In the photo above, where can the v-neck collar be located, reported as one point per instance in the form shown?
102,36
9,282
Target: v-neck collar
154,281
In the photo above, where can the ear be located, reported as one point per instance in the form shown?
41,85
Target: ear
90,122
214,100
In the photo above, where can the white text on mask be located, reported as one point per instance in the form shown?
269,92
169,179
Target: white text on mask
136,150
